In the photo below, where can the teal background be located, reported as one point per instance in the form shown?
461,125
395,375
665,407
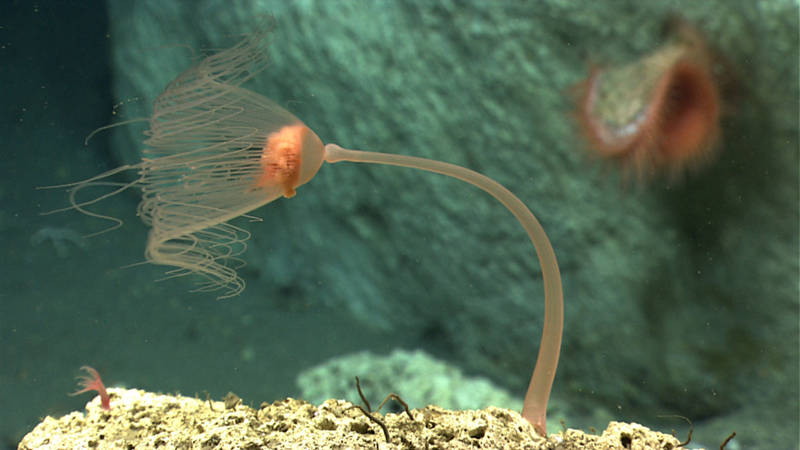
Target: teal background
681,298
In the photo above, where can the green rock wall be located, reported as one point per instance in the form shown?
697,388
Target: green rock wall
680,297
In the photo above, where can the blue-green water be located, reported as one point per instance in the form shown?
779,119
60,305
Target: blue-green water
681,298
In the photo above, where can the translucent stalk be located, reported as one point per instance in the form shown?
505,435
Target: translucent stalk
535,406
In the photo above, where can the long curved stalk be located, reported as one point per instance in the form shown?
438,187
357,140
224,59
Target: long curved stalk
535,406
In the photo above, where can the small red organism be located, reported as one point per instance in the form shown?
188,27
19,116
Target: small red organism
92,382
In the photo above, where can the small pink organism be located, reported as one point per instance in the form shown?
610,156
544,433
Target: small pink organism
92,382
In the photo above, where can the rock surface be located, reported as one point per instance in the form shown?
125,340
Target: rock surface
420,378
144,420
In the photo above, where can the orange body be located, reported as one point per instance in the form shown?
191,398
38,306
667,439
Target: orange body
282,158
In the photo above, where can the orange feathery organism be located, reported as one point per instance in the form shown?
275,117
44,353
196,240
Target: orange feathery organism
657,114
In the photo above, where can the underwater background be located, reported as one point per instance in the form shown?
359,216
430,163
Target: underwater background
681,296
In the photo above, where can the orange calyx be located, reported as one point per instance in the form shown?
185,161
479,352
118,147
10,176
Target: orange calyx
281,158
